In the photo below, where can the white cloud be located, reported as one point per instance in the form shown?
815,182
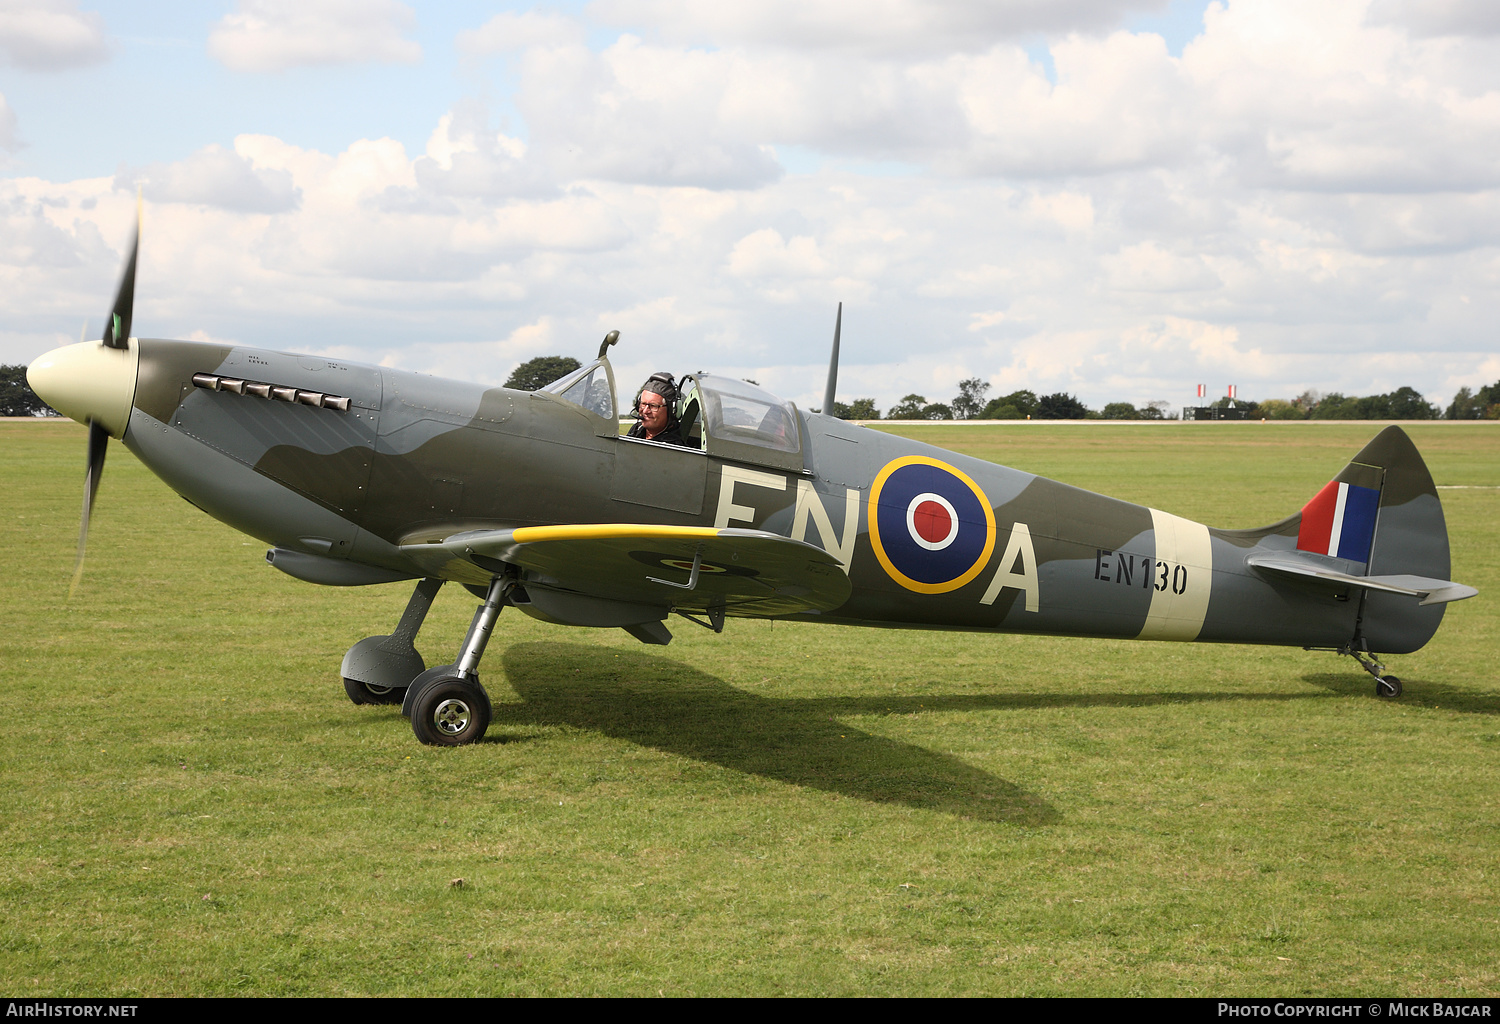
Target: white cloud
1304,198
508,32
765,253
50,35
273,35
1283,94
878,26
8,140
199,334
214,176
35,237
1072,211
465,157
638,114
1310,97
1214,346
1439,17
1119,102
1146,266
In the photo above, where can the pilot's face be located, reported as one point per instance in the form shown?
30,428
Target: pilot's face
653,413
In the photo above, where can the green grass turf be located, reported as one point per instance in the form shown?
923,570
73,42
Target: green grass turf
191,806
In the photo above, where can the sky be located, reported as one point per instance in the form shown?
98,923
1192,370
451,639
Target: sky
1118,199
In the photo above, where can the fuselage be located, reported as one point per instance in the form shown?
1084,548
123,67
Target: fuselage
351,463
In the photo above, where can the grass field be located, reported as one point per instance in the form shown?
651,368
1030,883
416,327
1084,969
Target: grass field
192,806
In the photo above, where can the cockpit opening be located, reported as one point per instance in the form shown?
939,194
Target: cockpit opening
722,416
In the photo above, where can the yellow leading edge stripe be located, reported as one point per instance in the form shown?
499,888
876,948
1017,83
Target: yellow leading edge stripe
608,531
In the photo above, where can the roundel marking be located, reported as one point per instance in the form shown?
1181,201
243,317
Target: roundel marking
931,526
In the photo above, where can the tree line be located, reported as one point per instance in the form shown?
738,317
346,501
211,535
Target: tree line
1405,403
972,403
16,396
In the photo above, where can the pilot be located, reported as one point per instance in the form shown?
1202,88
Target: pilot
655,408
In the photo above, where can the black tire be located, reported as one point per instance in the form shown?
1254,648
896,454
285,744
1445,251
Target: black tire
366,693
450,712
1388,687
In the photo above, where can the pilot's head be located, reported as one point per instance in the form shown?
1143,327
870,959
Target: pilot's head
656,404
664,390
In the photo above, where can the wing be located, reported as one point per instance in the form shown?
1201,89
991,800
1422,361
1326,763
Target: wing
742,572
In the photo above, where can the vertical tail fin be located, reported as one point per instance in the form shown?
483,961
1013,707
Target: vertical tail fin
1375,537
1408,536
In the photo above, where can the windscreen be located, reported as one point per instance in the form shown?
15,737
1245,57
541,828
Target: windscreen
589,388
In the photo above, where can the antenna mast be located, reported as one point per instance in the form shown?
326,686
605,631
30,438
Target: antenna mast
833,364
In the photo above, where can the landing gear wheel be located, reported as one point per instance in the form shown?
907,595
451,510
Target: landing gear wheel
372,693
1388,687
450,712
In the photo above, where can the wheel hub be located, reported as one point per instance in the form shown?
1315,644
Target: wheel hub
451,716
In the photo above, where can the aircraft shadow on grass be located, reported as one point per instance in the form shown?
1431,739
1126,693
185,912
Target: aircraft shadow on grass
1418,692
671,706
660,703
665,704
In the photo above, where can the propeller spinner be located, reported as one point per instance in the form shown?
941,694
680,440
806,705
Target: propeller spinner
94,383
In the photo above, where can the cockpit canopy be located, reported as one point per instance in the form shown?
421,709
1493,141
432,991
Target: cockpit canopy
738,410
723,416
734,419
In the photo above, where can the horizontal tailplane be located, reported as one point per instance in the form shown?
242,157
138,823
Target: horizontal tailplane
1430,591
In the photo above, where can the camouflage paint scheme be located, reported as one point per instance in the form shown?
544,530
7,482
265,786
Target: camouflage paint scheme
380,492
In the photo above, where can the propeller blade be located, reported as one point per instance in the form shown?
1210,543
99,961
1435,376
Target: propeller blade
98,447
116,335
117,326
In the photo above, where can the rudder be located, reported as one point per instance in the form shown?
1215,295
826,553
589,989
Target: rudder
1408,536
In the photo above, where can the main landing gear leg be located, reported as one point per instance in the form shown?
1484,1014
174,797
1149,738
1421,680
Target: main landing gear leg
447,705
1385,685
378,669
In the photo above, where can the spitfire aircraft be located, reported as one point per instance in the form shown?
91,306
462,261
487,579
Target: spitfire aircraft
357,475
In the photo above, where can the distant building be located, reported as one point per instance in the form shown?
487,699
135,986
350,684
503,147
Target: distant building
1213,412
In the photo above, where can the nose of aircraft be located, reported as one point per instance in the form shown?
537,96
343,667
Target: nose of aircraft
89,382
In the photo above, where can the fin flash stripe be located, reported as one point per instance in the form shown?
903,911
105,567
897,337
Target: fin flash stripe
1340,521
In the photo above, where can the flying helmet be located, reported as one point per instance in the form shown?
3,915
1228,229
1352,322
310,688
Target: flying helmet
659,384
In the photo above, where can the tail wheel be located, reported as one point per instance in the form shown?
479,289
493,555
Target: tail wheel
1388,687
450,712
